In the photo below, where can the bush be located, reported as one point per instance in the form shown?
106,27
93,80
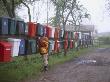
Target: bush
104,40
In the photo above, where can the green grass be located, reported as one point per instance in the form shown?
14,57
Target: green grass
20,69
104,46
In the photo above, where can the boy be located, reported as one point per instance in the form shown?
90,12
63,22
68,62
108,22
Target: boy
43,47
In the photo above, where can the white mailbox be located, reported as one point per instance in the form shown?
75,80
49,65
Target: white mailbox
15,46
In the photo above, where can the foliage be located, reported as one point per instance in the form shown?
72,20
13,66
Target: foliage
63,8
3,12
104,40
10,6
69,11
107,5
53,21
78,13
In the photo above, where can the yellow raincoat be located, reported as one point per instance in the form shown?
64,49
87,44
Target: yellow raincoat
43,45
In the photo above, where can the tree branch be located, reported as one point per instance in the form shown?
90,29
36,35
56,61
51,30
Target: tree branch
73,5
13,7
29,14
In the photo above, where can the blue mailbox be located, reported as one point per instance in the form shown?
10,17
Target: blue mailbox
22,47
3,25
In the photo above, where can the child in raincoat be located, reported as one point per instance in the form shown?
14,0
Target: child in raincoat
43,48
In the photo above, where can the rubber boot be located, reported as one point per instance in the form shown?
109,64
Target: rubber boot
45,68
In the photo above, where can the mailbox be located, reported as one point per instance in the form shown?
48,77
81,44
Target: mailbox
5,51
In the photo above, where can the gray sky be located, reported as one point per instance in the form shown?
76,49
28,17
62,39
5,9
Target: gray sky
40,12
96,8
99,14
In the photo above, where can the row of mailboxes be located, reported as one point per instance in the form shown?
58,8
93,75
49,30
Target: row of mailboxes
62,44
21,47
17,27
11,26
16,47
39,30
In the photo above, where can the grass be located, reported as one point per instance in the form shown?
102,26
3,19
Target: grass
104,45
20,69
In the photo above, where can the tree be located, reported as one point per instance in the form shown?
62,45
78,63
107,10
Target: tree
69,11
26,4
29,14
11,5
3,12
77,15
53,21
107,6
63,10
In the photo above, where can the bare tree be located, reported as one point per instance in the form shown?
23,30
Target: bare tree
29,14
67,9
63,10
77,15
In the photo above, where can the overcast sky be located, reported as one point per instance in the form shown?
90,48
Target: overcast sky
99,15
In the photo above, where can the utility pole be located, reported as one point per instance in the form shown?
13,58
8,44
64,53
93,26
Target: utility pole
33,11
37,13
47,13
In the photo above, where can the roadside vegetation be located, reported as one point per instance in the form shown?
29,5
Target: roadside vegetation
104,42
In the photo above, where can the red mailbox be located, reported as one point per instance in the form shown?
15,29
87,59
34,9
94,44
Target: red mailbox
71,44
66,35
5,51
65,44
48,31
56,34
31,29
76,36
56,48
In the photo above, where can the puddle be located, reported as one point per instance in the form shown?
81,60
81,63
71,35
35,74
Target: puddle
87,62
93,62
102,50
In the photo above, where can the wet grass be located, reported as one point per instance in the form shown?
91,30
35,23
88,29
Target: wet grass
20,69
104,46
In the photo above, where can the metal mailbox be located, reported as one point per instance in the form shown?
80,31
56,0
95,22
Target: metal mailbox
3,25
5,51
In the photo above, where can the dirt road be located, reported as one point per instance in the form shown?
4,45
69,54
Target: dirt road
92,67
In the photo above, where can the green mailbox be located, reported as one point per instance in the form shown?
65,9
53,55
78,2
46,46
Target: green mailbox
12,26
33,46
